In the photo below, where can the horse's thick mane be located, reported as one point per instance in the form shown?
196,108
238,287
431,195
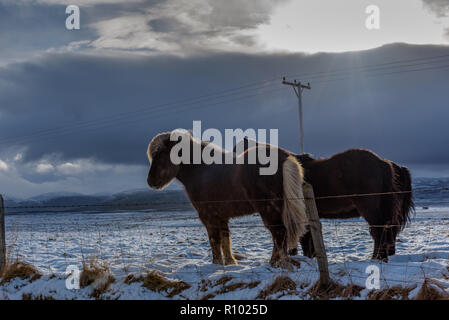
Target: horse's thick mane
211,144
158,142
303,157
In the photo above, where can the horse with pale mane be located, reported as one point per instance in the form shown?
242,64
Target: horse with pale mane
219,192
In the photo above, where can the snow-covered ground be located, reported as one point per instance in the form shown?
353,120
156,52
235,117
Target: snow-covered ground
175,243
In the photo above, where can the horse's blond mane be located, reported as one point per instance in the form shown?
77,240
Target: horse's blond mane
157,143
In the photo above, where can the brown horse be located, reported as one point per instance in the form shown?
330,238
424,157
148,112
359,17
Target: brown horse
360,172
220,192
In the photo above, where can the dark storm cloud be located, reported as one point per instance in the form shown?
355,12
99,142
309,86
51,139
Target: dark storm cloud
27,28
400,116
179,26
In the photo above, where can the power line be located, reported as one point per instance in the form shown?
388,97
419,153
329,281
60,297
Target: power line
223,94
154,115
121,115
439,68
372,70
192,100
445,56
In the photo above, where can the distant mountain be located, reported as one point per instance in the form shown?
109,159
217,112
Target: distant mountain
431,192
172,199
52,195
137,199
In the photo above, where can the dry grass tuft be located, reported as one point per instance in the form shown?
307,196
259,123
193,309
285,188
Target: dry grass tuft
92,272
252,285
281,283
155,281
431,290
102,287
223,280
393,293
232,287
130,278
239,285
19,269
225,287
334,290
204,284
30,296
209,296
97,273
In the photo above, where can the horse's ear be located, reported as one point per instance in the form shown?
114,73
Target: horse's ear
305,157
168,143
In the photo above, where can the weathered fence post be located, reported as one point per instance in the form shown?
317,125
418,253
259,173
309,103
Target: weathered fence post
2,236
317,236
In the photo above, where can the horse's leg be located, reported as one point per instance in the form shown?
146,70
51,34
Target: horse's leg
215,244
279,256
393,232
370,210
307,244
226,246
389,232
383,239
213,227
379,234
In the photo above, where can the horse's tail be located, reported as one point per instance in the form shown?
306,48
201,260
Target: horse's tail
405,184
294,211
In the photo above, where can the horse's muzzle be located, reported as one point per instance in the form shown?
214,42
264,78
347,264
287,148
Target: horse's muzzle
154,183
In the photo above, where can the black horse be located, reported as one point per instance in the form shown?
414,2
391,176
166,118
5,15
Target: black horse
379,189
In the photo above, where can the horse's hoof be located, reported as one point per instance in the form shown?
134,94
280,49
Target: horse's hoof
230,261
391,252
217,261
380,258
239,256
293,252
309,254
284,264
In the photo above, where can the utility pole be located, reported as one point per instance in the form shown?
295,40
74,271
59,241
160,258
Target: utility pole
298,87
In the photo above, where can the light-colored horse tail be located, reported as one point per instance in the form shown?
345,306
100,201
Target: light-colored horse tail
294,210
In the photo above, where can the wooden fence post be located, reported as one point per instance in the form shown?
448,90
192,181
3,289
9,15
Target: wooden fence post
317,236
2,236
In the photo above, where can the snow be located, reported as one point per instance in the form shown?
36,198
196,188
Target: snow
175,243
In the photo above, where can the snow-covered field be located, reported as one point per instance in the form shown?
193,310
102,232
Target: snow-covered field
175,243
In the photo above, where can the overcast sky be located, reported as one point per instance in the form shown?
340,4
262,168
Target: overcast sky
78,108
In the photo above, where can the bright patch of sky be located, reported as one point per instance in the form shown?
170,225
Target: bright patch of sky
331,26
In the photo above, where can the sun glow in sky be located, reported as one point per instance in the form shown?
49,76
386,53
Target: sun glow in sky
320,25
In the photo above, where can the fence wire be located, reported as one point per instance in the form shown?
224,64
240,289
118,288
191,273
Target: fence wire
179,248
